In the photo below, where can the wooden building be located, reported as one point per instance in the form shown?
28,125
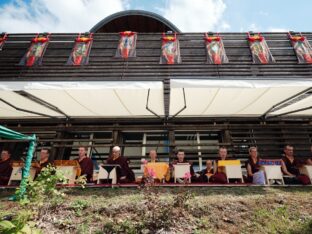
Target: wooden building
140,104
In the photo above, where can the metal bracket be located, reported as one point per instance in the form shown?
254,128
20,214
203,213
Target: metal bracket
183,108
27,111
147,108
264,116
41,102
290,112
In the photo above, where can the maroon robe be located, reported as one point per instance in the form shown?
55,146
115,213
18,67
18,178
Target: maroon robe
86,166
218,177
40,166
293,168
124,169
5,171
255,167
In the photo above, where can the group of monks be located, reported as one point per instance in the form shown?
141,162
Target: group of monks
289,164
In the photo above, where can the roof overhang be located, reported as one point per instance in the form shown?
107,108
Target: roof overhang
134,20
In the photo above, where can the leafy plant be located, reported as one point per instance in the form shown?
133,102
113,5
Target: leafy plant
18,226
43,188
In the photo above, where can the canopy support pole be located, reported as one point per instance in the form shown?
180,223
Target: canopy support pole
147,108
27,111
183,108
41,102
273,108
289,112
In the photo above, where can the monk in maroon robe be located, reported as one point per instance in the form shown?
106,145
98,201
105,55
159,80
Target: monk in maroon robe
43,161
205,174
219,177
290,167
5,167
124,172
86,164
181,159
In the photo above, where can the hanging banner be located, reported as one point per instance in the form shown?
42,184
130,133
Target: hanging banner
35,53
302,48
259,49
80,53
170,49
127,45
215,49
3,38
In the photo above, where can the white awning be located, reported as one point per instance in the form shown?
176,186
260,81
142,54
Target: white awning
232,98
84,99
122,99
307,102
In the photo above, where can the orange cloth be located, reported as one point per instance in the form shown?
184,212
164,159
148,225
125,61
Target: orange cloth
69,163
228,162
160,169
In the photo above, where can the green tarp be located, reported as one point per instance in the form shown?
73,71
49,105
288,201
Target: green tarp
12,135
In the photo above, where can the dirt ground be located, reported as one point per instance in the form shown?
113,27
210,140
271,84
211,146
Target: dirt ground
174,210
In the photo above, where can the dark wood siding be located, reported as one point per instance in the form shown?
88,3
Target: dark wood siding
103,65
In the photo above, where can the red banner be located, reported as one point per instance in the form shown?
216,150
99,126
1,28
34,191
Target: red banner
3,38
215,50
302,48
81,50
35,52
127,45
259,49
170,49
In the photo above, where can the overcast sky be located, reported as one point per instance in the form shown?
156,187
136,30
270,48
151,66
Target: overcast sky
188,15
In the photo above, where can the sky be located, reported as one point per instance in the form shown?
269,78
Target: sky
18,16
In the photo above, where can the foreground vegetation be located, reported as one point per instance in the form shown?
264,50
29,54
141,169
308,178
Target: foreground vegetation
161,210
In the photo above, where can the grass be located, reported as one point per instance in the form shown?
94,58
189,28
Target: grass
179,210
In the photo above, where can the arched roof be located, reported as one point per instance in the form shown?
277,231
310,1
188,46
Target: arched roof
134,20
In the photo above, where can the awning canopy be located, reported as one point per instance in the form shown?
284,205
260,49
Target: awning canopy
82,99
235,98
123,99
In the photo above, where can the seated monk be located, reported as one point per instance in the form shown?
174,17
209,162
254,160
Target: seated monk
153,156
155,169
124,172
181,159
205,174
5,167
309,161
219,176
254,174
86,164
290,167
43,161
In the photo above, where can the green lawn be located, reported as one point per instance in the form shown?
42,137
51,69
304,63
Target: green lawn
172,210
